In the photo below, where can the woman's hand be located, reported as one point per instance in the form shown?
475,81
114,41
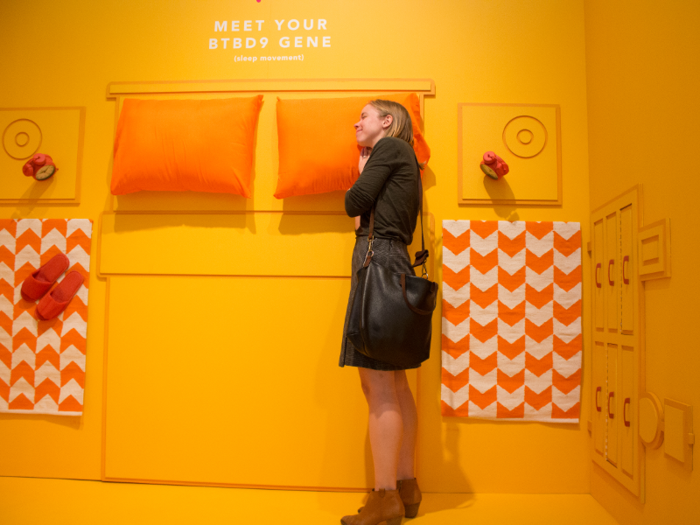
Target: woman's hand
364,156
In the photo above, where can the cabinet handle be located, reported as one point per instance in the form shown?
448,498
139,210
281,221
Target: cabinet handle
610,264
624,411
597,282
625,260
611,395
597,391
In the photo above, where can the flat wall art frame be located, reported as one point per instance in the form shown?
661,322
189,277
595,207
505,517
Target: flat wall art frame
527,137
57,132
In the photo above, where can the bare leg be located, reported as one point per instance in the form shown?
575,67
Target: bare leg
409,417
385,425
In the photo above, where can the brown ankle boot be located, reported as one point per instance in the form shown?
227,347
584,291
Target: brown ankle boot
410,496
382,505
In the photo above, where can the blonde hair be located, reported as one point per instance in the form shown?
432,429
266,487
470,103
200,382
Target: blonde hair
401,126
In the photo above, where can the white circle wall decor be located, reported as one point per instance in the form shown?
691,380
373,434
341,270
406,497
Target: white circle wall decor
21,139
525,136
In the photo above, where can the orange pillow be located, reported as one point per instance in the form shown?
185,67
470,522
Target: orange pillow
185,145
317,148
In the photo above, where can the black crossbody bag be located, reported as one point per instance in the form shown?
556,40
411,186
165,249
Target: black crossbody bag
391,314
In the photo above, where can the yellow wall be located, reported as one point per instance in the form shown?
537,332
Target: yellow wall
65,54
643,110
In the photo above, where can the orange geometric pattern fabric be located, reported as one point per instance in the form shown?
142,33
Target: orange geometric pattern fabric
511,320
42,363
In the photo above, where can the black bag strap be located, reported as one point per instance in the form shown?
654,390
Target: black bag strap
421,256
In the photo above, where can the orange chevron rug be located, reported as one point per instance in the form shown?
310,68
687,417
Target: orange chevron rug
511,320
42,363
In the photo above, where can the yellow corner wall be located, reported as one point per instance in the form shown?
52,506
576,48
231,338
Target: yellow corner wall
478,52
643,76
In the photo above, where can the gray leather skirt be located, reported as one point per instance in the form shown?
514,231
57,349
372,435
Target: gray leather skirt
392,254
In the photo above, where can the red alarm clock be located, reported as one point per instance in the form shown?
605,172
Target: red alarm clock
494,166
40,166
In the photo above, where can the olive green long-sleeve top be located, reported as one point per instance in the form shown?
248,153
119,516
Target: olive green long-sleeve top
391,178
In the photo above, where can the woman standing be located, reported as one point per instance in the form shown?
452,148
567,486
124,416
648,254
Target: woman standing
389,177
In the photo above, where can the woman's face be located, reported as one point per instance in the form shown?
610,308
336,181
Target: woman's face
371,126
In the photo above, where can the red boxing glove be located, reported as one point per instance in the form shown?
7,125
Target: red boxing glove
494,166
40,166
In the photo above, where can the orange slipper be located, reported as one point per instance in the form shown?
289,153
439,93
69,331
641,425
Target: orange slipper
38,283
57,300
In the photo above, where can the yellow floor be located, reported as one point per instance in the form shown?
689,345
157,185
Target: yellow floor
33,501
